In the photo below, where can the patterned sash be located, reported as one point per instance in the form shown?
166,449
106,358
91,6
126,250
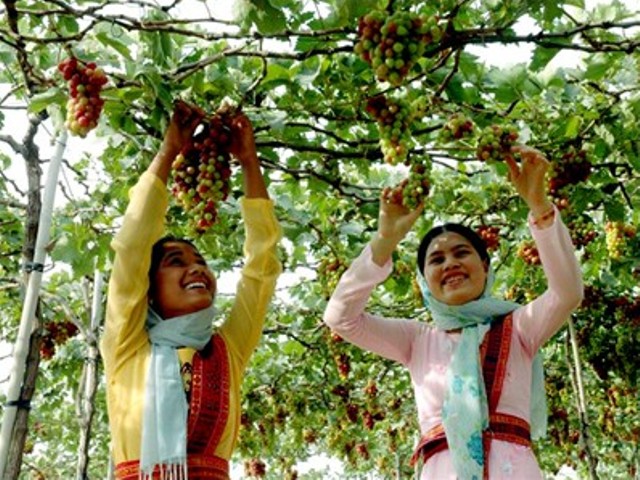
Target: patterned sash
494,352
208,414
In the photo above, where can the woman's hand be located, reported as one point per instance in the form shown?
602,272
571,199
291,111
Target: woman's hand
394,219
243,144
394,222
529,178
184,121
243,148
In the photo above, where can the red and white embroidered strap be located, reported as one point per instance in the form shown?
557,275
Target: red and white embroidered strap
494,352
208,415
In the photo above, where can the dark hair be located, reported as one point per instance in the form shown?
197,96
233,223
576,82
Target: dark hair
458,228
157,251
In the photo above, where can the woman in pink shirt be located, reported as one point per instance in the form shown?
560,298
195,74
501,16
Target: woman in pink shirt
477,379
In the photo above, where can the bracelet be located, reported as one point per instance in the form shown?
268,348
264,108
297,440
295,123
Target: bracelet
545,216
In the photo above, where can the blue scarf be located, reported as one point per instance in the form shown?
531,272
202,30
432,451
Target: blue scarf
465,413
164,422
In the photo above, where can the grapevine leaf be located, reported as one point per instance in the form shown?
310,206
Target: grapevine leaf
49,97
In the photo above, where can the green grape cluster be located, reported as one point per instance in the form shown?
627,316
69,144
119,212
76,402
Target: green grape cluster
411,191
495,142
416,187
458,126
202,171
616,235
330,270
392,44
394,119
582,233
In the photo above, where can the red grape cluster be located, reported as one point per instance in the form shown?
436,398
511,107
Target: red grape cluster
458,126
343,363
56,334
352,412
394,121
363,450
371,389
309,436
616,234
574,167
202,171
393,44
255,468
84,106
529,253
490,235
369,419
411,191
495,142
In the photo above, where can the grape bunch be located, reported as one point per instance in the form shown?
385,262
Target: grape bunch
394,119
392,45
495,142
412,190
329,272
574,167
84,105
582,233
490,235
255,468
458,126
363,450
616,235
343,363
529,253
202,171
56,334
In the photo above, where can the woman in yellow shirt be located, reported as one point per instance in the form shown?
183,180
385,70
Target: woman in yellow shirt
173,383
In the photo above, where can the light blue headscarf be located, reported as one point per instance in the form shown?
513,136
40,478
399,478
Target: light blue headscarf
465,412
164,423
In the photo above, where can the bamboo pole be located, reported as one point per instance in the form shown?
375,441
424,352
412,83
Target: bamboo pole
89,384
27,320
581,401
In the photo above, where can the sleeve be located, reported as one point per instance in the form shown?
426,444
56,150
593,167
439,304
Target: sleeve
345,315
539,320
142,226
243,328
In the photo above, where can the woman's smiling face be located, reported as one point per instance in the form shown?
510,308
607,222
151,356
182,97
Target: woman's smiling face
183,283
453,269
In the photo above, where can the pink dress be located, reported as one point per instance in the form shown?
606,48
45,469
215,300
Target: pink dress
426,352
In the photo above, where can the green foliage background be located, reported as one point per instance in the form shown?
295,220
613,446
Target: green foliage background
292,67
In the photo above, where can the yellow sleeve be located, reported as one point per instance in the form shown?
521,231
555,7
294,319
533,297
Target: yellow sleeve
143,225
243,328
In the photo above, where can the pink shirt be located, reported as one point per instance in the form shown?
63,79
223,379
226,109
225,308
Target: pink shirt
426,351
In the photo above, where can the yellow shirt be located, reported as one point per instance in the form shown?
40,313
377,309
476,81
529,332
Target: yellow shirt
125,344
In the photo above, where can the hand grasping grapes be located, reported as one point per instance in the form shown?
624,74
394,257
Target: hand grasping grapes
394,221
528,178
184,121
243,145
394,218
